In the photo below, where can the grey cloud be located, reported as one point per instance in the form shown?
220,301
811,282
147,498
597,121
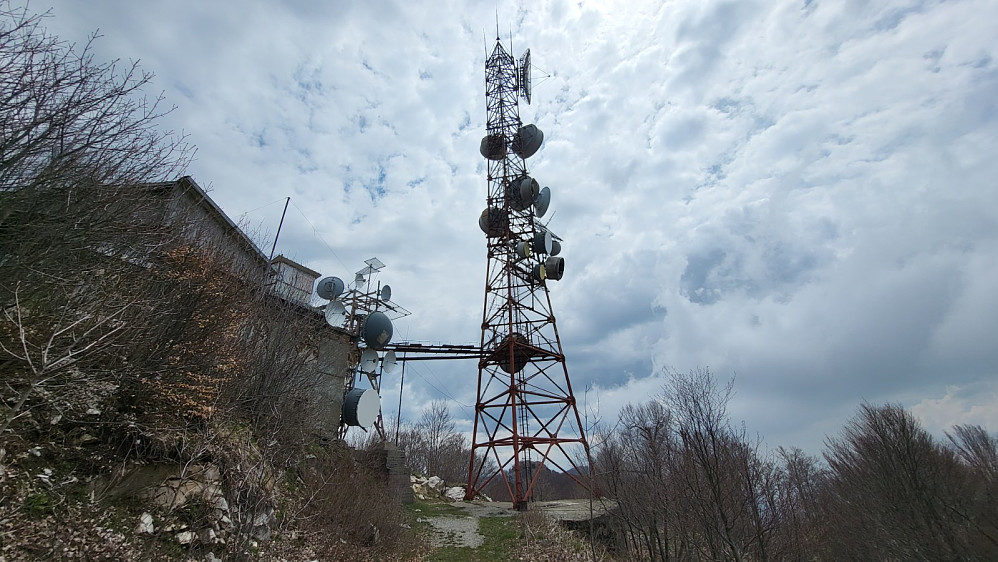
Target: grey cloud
808,196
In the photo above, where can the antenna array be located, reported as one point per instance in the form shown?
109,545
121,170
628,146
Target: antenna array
526,417
365,311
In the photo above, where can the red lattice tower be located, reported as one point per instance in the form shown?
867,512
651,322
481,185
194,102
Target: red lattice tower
526,417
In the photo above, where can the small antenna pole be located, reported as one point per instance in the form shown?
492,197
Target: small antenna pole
278,235
398,419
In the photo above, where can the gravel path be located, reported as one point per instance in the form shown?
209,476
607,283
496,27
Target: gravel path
462,530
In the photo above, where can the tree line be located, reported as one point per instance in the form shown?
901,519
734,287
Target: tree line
690,484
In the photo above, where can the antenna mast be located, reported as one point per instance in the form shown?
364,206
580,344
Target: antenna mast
526,419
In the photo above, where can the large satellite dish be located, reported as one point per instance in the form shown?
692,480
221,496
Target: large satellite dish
522,249
329,288
335,313
389,363
527,140
493,147
554,267
361,407
539,273
542,242
376,330
525,76
493,222
521,192
542,201
386,293
369,361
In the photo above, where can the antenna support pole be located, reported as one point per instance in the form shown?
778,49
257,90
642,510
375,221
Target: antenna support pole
279,226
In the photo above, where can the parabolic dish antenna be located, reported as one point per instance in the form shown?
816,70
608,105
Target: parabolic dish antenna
539,272
386,293
520,192
377,330
522,249
554,267
542,242
493,222
361,407
329,288
389,363
493,147
529,190
555,247
527,141
525,76
542,201
335,313
368,361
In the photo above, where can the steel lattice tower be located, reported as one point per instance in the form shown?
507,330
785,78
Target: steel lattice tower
526,416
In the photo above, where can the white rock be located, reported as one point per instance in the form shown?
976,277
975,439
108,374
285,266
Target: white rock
265,517
220,503
93,412
145,526
175,493
454,494
436,483
185,537
210,473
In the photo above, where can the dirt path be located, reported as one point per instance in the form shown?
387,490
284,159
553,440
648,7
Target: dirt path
462,530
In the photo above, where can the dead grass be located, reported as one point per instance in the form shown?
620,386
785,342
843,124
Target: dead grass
546,540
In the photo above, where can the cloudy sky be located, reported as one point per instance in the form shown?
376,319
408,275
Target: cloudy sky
798,194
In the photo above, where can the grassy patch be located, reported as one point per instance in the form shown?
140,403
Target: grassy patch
500,543
435,508
39,505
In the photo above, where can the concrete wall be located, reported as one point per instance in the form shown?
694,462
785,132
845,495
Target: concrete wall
292,280
334,364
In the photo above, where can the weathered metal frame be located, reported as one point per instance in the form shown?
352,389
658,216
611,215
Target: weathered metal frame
527,408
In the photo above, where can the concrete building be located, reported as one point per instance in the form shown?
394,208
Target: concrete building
203,222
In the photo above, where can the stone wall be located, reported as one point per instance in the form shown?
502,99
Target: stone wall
388,462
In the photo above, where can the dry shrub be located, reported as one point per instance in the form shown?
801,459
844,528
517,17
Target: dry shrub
545,539
348,507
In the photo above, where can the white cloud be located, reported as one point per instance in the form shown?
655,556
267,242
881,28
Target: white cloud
798,193
966,405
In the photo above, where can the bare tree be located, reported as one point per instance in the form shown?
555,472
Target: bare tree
977,448
436,447
687,483
800,482
728,484
894,493
77,140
